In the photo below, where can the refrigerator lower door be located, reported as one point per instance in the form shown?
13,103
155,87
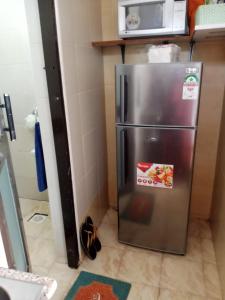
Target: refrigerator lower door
154,186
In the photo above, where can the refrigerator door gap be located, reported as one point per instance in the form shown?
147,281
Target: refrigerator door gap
155,126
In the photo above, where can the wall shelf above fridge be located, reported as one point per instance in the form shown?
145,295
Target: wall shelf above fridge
201,33
141,41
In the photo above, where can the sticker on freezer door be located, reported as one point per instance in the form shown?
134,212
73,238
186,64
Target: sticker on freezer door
155,175
191,88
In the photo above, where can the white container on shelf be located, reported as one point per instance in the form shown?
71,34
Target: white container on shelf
163,53
210,14
210,22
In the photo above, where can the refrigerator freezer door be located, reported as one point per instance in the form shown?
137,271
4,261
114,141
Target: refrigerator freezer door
154,186
158,94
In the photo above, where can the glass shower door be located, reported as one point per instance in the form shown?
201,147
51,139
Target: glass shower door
11,226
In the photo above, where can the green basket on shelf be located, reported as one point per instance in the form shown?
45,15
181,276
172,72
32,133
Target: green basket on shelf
210,14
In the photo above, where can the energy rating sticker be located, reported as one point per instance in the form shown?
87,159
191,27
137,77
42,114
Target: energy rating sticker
191,88
155,175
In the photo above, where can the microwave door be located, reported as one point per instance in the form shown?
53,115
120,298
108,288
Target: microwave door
143,18
145,15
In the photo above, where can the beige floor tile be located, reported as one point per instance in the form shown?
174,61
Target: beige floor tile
212,283
166,294
143,292
30,244
43,253
194,251
109,236
43,207
47,232
62,273
111,217
208,251
107,262
61,291
182,275
39,270
140,267
27,206
61,259
59,295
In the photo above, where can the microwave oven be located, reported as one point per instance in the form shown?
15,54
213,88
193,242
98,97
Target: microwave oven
152,17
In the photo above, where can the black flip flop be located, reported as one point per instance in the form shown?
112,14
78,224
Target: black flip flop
97,243
87,241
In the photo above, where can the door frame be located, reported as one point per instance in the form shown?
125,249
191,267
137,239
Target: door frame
10,254
5,237
58,116
6,157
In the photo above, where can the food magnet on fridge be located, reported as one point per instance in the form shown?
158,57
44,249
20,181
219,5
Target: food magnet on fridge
155,175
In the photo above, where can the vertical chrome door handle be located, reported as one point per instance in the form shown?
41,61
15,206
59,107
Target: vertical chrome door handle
123,156
9,114
123,98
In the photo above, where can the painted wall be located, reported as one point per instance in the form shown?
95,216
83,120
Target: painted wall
78,23
218,211
16,79
212,54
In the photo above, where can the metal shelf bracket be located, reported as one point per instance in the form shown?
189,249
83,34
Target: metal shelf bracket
123,52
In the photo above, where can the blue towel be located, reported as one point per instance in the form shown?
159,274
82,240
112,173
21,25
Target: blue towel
40,163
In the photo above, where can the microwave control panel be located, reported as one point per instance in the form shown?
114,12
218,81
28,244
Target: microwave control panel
179,15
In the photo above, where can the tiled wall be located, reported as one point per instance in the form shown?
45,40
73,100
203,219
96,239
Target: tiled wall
78,23
213,56
16,79
218,213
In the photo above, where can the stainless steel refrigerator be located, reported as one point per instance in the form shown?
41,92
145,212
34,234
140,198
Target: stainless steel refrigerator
156,125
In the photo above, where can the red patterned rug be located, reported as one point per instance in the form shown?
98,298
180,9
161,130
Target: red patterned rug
89,286
96,291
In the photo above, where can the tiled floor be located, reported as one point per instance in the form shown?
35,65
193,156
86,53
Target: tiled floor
160,276
153,275
39,237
